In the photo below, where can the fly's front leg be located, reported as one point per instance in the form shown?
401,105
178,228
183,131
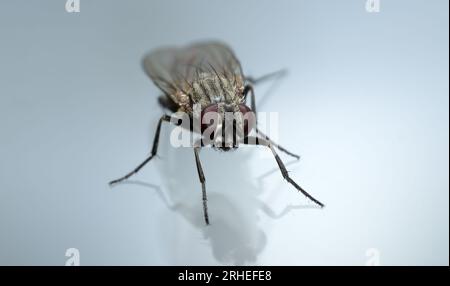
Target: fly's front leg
249,88
154,150
201,176
284,172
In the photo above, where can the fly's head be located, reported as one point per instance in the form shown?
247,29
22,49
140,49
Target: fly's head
225,125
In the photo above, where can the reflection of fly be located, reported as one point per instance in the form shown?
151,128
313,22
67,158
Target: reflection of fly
210,76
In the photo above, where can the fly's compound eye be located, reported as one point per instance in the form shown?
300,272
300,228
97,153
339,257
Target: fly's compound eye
249,118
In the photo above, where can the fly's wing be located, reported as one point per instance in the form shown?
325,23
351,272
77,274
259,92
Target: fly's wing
174,70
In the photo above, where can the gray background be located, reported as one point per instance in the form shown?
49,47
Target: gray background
365,104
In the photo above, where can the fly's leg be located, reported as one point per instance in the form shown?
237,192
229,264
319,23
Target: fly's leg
284,172
273,75
154,150
166,102
276,145
249,88
201,176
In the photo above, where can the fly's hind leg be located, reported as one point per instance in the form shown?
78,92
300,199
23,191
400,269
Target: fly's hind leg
153,153
270,76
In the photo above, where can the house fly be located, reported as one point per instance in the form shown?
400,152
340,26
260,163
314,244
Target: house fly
208,75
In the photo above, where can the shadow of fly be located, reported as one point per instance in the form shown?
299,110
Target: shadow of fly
204,83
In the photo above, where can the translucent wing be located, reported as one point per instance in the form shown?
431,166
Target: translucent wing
174,69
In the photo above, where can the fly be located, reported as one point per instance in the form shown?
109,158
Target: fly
208,76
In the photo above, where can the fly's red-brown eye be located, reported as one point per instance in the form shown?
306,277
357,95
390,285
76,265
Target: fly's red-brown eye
213,117
249,118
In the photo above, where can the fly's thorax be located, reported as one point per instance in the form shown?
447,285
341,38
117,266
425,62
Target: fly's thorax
213,89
